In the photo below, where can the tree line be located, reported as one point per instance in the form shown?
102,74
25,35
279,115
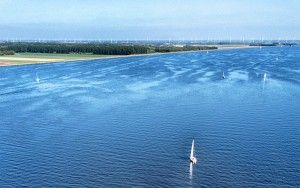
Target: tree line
90,48
7,52
164,49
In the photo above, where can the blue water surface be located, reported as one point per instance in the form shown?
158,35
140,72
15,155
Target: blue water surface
129,122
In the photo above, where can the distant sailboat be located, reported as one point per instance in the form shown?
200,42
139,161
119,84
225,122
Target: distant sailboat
265,77
223,76
37,79
193,159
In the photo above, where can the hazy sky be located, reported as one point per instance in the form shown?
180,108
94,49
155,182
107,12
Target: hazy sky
152,19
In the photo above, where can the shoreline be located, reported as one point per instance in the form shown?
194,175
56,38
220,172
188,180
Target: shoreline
49,61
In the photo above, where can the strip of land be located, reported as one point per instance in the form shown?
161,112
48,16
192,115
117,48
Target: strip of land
37,58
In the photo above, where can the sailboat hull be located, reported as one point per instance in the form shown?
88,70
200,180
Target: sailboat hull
193,160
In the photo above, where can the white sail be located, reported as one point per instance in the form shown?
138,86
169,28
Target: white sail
37,79
193,159
192,150
265,77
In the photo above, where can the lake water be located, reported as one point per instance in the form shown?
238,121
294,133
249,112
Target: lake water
129,122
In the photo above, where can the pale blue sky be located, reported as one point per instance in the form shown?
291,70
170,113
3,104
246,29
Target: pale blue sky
152,19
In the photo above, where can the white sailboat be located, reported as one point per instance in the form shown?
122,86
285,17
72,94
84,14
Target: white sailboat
37,79
193,159
223,76
265,77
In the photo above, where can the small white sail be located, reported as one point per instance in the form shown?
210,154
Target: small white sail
192,155
37,79
265,77
192,150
